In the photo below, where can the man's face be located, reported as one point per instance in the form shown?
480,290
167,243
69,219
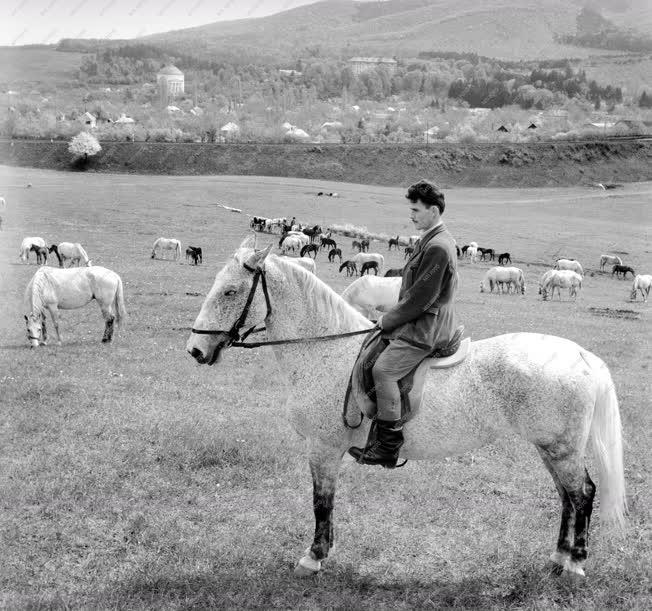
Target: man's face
422,217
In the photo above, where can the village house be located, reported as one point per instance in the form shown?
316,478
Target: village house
363,64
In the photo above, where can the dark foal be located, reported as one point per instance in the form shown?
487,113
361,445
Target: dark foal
393,242
350,267
504,258
194,253
55,250
408,251
368,266
328,242
335,252
310,248
41,254
617,269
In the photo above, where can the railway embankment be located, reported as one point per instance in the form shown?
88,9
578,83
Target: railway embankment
538,164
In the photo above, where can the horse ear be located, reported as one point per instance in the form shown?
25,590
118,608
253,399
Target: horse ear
258,258
248,242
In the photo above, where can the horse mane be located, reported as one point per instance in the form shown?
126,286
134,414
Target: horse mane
40,283
318,296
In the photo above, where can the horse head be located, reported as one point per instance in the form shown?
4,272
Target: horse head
232,301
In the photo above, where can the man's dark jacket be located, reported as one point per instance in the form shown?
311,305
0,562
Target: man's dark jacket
424,315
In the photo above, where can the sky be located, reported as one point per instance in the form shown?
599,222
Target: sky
25,22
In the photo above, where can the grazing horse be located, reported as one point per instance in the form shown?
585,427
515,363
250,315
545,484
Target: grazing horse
328,242
368,266
293,243
194,253
370,293
335,252
41,254
257,223
547,390
504,257
408,251
73,251
355,244
167,244
497,276
52,289
364,245
394,242
609,260
472,252
561,279
643,283
350,267
309,248
622,269
363,257
394,272
570,264
26,245
487,252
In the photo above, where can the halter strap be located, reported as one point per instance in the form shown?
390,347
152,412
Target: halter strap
237,340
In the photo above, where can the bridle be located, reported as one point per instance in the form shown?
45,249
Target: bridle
236,339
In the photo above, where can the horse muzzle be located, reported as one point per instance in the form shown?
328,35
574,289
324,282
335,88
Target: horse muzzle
208,354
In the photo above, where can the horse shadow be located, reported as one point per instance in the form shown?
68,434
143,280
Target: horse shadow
341,585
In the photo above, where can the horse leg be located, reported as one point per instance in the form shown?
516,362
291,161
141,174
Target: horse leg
324,466
109,320
54,313
569,470
44,331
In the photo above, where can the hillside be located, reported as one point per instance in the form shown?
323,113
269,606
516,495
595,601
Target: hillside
509,29
42,65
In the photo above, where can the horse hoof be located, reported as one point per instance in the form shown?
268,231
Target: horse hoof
307,566
305,571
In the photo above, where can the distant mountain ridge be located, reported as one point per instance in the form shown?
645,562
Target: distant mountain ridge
508,29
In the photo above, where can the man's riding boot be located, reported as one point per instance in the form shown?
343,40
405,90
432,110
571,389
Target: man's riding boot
383,447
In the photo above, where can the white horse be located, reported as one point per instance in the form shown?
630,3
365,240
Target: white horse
472,252
167,244
364,257
643,283
293,243
565,395
52,289
503,275
305,262
570,264
370,293
25,246
561,279
73,251
609,260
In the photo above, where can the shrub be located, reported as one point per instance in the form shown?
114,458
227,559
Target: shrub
83,146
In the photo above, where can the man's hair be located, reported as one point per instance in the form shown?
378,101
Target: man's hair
428,193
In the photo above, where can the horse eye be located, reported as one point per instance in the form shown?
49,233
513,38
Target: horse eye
230,292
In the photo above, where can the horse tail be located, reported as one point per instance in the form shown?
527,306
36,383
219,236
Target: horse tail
606,439
119,303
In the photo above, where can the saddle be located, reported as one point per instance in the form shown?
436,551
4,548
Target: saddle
361,388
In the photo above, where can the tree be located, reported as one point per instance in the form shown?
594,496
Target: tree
645,101
83,146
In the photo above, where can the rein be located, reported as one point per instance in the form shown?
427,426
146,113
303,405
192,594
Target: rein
237,340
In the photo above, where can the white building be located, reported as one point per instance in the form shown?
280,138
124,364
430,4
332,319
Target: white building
362,64
174,78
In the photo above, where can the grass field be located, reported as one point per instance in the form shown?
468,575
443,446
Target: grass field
132,478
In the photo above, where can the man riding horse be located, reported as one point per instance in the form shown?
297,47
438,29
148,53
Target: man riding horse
422,321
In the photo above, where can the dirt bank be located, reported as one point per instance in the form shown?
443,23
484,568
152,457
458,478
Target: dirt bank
504,165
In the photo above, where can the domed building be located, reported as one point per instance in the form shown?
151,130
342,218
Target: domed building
174,79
